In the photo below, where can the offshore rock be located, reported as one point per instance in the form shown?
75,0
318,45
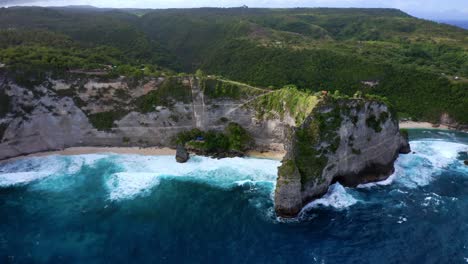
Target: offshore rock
405,146
182,155
351,141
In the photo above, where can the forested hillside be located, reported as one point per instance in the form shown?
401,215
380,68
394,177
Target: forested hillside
421,66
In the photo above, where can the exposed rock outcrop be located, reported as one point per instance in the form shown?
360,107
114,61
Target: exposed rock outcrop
448,121
182,155
93,111
351,141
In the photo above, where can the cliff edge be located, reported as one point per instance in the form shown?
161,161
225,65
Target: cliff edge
351,141
327,138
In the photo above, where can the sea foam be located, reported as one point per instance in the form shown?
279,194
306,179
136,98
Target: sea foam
430,159
29,170
142,173
337,197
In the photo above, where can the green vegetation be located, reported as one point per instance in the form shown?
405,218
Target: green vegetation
404,132
374,123
290,100
419,93
105,121
311,158
410,61
287,168
223,89
234,139
239,138
167,94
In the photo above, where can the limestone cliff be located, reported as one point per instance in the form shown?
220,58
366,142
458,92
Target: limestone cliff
80,110
351,141
327,139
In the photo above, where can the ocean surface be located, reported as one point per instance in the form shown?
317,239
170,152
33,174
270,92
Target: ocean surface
146,209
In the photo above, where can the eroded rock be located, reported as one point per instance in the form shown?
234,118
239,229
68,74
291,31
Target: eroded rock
351,141
182,155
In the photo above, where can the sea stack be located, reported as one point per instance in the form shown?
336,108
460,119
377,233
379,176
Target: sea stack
351,141
182,155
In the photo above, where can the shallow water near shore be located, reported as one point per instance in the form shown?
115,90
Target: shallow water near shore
109,208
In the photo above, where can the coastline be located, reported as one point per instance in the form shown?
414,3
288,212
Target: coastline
422,125
150,151
163,151
274,155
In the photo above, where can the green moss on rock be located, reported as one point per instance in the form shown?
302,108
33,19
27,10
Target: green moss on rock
317,138
287,168
290,100
404,132
376,123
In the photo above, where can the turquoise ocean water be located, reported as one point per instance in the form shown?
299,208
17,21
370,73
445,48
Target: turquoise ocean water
107,208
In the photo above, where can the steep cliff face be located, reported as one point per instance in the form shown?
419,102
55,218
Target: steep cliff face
351,141
91,111
327,139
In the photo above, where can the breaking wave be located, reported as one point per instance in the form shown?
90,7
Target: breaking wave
28,170
336,197
135,175
131,176
130,208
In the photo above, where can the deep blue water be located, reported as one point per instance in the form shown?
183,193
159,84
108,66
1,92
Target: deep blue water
136,209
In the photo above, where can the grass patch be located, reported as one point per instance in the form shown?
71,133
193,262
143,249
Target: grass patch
290,100
221,89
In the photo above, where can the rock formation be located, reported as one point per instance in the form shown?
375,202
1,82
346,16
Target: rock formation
182,155
351,141
94,111
327,139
